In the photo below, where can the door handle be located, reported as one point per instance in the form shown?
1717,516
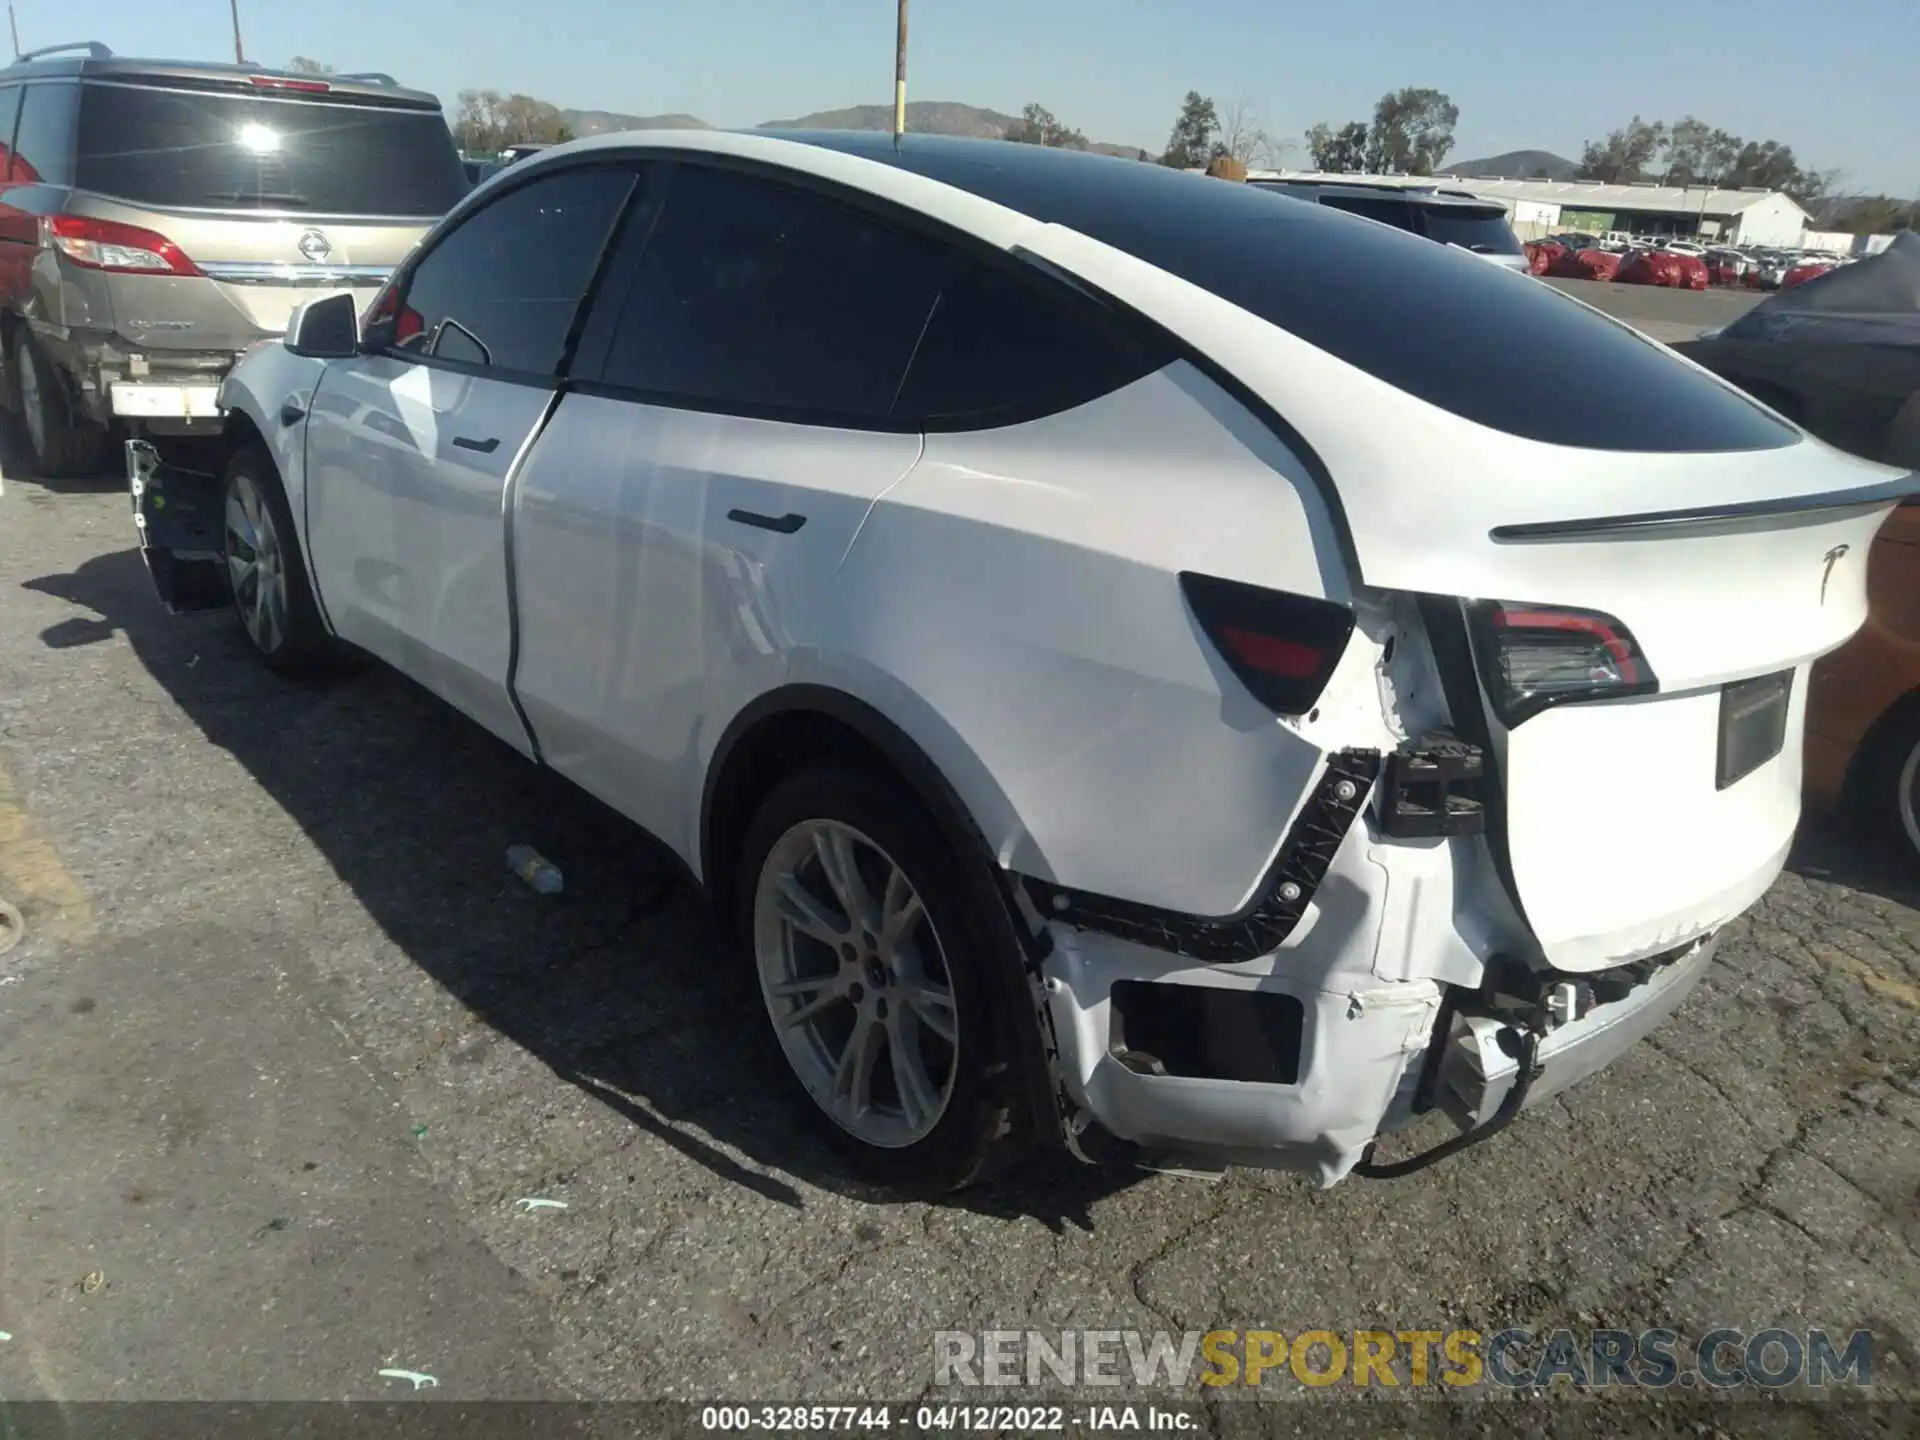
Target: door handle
291,413
485,447
780,524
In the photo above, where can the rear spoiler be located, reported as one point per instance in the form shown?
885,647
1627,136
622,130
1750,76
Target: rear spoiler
1733,515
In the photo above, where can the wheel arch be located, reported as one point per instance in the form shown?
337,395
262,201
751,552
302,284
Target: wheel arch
797,723
1900,716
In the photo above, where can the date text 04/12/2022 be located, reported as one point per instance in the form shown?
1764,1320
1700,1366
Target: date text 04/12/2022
949,1418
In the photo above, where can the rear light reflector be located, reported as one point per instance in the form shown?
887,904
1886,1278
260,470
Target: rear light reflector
1282,647
281,82
109,245
1533,657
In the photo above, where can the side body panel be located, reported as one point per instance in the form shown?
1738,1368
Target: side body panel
649,615
405,504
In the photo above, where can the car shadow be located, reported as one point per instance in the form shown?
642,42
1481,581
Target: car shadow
1836,851
619,984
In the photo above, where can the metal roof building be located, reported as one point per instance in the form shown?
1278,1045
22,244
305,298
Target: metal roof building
1746,217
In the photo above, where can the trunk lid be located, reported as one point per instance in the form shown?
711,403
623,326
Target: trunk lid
254,270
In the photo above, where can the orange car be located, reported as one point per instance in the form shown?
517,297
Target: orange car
1863,702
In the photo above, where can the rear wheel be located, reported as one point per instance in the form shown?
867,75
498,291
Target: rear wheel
1886,790
872,963
271,594
60,443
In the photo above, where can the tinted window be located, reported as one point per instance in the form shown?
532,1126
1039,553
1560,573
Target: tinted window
1483,231
181,147
999,346
9,111
502,286
1396,213
1454,331
755,296
43,146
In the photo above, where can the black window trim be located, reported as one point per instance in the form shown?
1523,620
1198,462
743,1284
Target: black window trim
18,87
402,282
1129,328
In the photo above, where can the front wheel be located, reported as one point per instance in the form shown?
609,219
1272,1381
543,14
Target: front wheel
872,963
271,593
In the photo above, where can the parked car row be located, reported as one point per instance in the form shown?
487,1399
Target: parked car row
1097,636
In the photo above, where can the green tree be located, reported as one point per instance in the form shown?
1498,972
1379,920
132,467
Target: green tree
1878,214
1338,151
306,65
1625,155
1037,126
1412,131
1196,134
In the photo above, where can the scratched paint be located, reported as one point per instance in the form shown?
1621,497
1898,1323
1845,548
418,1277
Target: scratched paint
35,878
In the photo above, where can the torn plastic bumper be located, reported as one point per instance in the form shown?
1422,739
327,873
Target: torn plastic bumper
177,512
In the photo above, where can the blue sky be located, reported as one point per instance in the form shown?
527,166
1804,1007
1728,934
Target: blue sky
1837,87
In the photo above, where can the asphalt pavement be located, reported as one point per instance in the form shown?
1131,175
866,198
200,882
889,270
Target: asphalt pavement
286,1053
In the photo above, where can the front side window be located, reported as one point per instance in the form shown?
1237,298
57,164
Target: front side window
208,150
500,289
756,297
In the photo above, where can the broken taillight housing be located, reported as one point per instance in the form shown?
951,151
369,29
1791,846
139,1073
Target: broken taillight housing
1533,657
1283,647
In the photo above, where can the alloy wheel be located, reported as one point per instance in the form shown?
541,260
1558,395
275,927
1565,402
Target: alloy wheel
256,564
1908,797
856,981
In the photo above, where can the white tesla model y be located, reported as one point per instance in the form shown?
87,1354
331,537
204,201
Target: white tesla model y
1140,665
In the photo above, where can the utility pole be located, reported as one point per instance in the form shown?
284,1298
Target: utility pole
900,75
13,24
239,55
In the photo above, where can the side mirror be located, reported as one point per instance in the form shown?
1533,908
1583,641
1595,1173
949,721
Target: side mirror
326,329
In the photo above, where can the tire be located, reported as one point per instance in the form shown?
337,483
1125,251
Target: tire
948,1118
1886,788
272,596
60,443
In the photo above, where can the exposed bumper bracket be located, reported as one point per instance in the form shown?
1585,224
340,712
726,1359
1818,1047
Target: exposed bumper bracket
177,512
1432,789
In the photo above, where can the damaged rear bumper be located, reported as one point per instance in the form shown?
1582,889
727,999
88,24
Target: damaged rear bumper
1257,1064
177,512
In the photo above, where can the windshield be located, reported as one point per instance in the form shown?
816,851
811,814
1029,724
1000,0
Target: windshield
1484,231
191,148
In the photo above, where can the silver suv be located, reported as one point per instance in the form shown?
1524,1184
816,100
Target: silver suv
1452,217
158,217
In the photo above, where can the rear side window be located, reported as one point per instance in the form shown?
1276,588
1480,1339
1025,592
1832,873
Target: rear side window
164,148
501,288
1482,231
43,146
1001,347
760,298
1396,213
9,112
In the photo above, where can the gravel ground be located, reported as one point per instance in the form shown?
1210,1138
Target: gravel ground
284,1047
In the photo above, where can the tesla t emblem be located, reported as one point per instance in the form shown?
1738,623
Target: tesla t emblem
315,246
1833,559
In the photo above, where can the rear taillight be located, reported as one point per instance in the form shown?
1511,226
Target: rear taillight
109,245
1533,657
1282,647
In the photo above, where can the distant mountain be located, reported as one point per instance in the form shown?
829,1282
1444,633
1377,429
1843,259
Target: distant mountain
1515,165
928,117
606,122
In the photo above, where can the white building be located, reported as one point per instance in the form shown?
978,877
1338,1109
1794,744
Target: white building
1734,217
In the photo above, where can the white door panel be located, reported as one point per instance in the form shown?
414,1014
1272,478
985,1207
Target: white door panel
647,615
407,467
